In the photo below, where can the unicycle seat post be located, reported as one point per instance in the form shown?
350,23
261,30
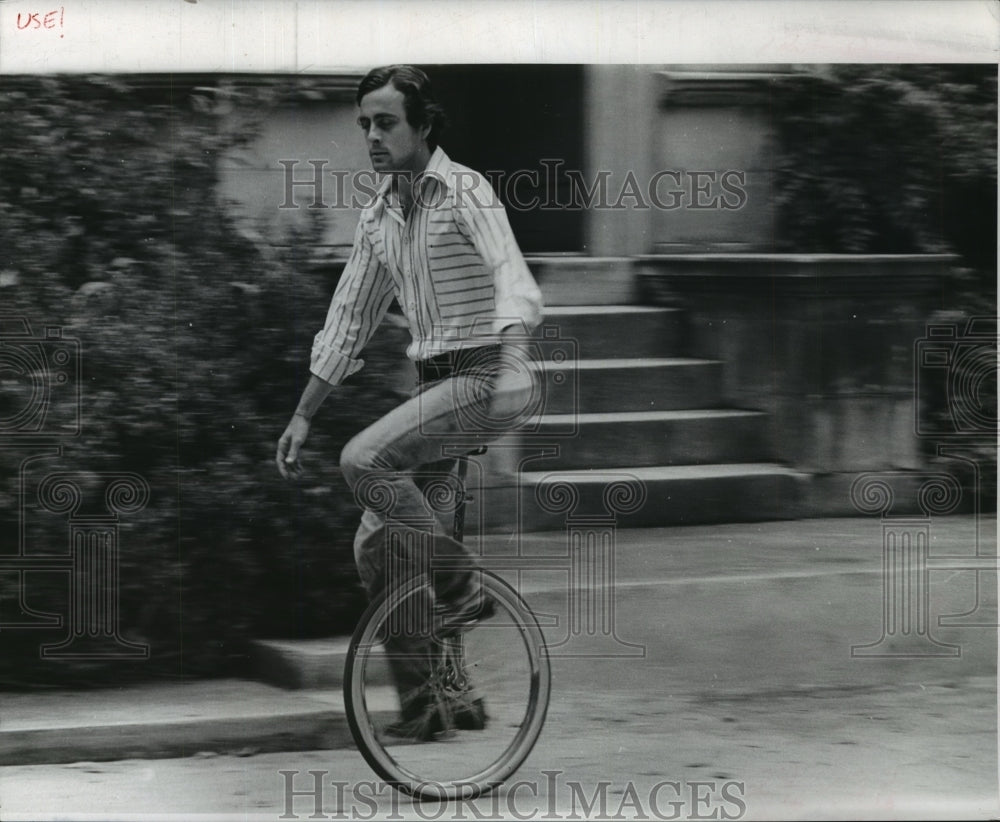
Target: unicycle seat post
461,471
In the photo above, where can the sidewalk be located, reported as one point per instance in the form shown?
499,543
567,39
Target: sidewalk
168,720
243,717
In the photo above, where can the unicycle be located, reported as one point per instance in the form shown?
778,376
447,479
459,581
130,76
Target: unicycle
484,688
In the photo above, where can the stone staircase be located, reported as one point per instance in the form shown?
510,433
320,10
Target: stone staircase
629,405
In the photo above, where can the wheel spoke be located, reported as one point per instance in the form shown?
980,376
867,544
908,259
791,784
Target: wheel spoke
471,705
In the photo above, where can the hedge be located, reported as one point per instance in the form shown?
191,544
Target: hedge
194,338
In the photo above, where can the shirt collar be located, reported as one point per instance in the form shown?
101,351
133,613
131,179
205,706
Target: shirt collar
439,168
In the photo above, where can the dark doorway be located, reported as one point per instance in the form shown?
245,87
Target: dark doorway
505,119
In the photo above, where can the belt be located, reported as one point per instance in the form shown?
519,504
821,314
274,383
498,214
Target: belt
482,358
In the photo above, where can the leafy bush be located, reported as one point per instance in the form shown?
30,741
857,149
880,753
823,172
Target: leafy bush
195,341
888,159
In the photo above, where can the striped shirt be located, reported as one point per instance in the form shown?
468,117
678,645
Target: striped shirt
453,265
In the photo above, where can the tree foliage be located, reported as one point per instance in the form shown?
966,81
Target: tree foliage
195,339
889,159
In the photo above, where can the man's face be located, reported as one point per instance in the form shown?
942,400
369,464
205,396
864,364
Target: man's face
393,144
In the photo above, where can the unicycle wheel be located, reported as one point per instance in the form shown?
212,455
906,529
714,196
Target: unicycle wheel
446,715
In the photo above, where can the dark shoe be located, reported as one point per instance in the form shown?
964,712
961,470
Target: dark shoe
425,726
470,717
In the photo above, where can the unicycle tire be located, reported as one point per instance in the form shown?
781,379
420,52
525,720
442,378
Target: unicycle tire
482,703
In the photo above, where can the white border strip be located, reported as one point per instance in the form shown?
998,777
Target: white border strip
319,36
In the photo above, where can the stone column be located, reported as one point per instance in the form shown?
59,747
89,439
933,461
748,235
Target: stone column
620,116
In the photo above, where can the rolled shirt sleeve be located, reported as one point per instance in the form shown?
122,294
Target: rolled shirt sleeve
358,305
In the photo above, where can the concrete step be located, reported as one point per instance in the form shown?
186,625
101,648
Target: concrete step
308,663
660,495
651,438
603,331
634,384
573,279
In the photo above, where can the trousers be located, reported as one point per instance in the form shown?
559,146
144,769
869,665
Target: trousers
401,470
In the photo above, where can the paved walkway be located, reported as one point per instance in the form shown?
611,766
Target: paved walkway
246,717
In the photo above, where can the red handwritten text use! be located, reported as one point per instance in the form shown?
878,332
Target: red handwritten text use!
36,20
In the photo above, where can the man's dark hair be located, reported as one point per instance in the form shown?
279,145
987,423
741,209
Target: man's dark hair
418,99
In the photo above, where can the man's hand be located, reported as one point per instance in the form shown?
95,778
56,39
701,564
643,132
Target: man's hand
298,429
289,446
